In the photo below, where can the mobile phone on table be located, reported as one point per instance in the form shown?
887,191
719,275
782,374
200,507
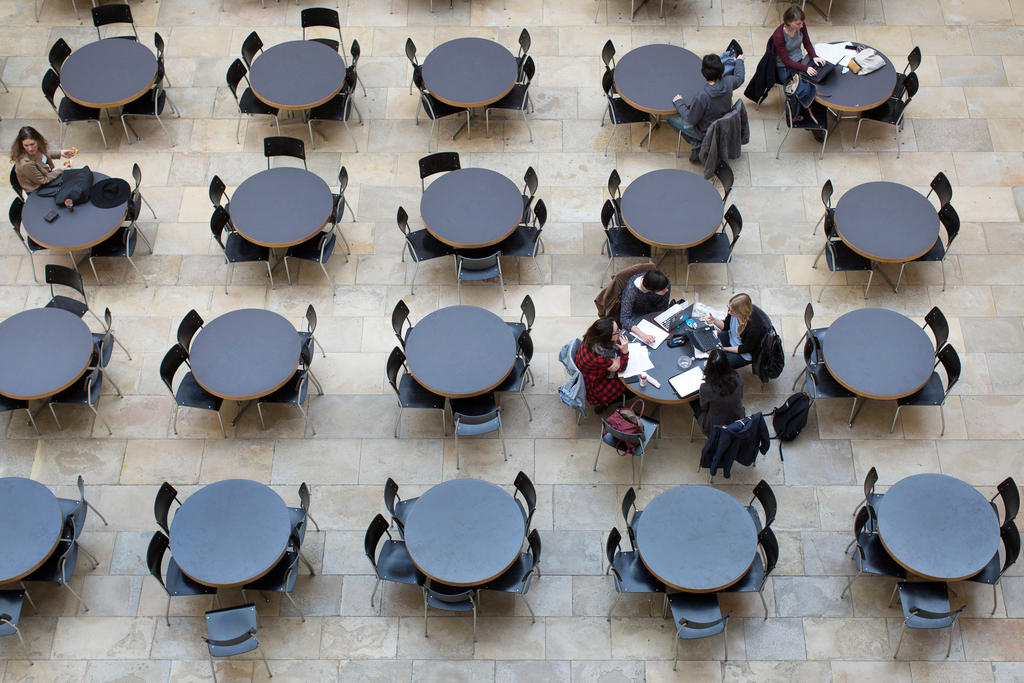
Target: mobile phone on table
51,217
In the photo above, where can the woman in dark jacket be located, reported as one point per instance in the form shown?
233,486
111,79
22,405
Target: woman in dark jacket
742,331
721,395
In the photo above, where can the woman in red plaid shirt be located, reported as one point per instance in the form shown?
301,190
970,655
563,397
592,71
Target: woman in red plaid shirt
603,353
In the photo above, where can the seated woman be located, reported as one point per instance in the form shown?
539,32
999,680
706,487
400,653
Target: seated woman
742,331
602,354
721,395
790,39
32,163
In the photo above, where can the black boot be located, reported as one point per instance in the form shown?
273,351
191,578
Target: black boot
695,154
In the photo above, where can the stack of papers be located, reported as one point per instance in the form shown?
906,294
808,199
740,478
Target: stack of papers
834,53
688,382
639,360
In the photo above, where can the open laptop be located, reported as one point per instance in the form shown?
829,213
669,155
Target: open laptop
823,71
672,316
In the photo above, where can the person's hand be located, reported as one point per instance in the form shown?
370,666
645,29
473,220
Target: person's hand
677,97
646,338
622,343
739,56
614,367
709,319
67,153
819,61
811,71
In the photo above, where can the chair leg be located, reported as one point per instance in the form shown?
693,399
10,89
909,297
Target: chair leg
894,418
92,558
855,136
32,421
597,456
54,413
456,447
102,134
219,419
270,273
899,641
871,274
104,422
292,600
306,562
85,608
265,662
899,279
398,419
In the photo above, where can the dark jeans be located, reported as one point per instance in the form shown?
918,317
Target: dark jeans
804,92
736,361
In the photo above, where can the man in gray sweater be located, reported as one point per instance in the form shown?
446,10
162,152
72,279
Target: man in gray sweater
711,103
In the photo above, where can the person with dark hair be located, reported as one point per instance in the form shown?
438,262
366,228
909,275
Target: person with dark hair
32,163
742,331
790,40
647,293
710,104
603,353
720,399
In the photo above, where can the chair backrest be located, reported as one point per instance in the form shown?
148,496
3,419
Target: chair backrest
540,213
172,360
158,43
869,483
284,146
607,214
304,497
525,347
15,183
494,414
439,163
399,319
467,264
770,545
703,625
525,487
236,72
935,320
319,16
764,494
629,439
155,556
860,523
608,83
529,311
530,182
108,319
51,81
217,189
933,616
628,503
735,222
106,348
826,194
58,53
402,218
614,184
808,316
187,329
218,221
447,594
950,361
608,55
378,527
950,220
913,60
529,71
104,15
524,42
725,177
391,495
410,51
1007,490
533,540
68,277
162,505
611,546
310,319
942,188
395,362
14,214
354,51
250,46
910,87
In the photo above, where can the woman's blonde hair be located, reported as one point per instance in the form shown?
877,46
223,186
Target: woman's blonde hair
742,308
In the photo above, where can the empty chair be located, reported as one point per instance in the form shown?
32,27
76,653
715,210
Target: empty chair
78,510
281,578
101,357
840,258
766,497
933,393
517,578
232,631
619,242
218,192
615,194
9,404
913,61
295,392
926,605
515,381
698,615
397,507
439,162
477,269
521,56
526,318
620,112
826,199
119,245
819,382
251,46
187,329
152,103
339,202
525,240
409,392
635,444
60,565
528,504
794,121
448,599
10,613
284,146
400,322
165,497
935,320
993,572
58,53
392,563
68,111
718,248
237,249
161,48
317,249
31,246
435,109
105,15
310,329
764,563
86,392
173,581
530,183
871,499
136,201
338,108
516,99
608,55
630,512
629,575
810,330
892,111
726,178
420,245
1007,491
188,394
476,416
247,102
950,221
354,52
410,53
871,557
942,188
322,17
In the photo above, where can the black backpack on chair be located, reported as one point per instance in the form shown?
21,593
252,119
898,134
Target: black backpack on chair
771,359
789,419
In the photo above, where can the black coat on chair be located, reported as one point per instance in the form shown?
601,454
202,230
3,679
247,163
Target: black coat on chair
764,78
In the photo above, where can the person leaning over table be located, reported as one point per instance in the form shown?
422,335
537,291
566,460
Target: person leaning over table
710,104
742,331
720,400
647,293
603,353
32,162
789,41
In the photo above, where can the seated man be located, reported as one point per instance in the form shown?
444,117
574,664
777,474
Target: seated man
646,293
712,102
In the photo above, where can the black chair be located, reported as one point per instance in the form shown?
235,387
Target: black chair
187,328
935,320
58,53
515,382
698,615
324,18
764,563
628,505
78,510
284,146
392,563
14,213
615,195
517,578
477,269
101,357
942,188
400,322
397,507
766,497
338,108
528,505
818,381
797,121
476,416
310,329
526,318
810,330
136,201
517,99
718,248
637,442
16,184
251,46
317,249
871,499
530,183
871,557
232,631
354,52
105,15
524,47
993,572
248,103
409,392
840,258
926,605
10,613
295,392
439,162
410,53
1007,491
726,179
951,224
449,599
826,199
913,61
237,249
86,392
340,204
119,245
629,575
281,578
526,240
420,245
188,394
152,103
161,49
620,112
933,393
435,109
68,111
892,111
60,565
608,55
165,496
173,581
619,242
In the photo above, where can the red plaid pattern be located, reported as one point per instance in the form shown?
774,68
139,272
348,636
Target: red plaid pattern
601,389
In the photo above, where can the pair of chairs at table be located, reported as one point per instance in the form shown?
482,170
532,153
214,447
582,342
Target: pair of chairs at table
696,615
189,393
926,604
392,563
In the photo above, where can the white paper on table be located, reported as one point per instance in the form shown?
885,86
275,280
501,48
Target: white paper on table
688,382
639,360
834,53
697,353
647,327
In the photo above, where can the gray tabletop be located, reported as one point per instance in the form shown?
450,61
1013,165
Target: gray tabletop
648,77
887,222
671,208
42,351
464,532
82,228
938,527
470,72
108,73
878,353
696,539
471,207
30,526
280,207
853,92
230,533
245,354
666,366
299,74
460,351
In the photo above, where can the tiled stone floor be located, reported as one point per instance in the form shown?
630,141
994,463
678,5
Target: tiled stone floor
965,121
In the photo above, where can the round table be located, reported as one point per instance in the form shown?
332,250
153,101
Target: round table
299,74
671,208
460,351
666,366
42,351
245,354
696,539
108,73
648,77
230,533
280,207
887,222
471,207
82,228
878,353
30,526
853,92
938,527
464,532
470,72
